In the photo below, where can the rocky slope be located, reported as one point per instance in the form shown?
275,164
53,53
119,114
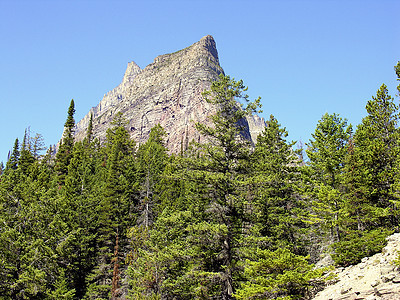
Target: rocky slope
166,92
376,277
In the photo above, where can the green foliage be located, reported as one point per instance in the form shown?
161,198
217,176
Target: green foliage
276,204
37,145
357,245
325,171
278,274
372,165
64,153
76,201
61,289
26,242
89,132
225,219
222,165
328,148
113,207
12,162
274,269
151,159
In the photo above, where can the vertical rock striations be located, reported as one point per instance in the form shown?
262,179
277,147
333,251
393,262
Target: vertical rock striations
166,92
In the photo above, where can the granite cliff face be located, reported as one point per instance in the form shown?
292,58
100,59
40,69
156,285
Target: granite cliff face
166,92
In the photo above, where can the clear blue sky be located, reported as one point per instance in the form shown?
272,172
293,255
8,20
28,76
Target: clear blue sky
304,58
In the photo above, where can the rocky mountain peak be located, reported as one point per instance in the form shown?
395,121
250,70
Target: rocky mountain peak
131,71
209,45
166,92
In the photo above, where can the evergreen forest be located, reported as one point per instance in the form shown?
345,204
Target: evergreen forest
223,219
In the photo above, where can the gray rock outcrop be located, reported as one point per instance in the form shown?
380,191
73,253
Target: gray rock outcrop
166,92
375,278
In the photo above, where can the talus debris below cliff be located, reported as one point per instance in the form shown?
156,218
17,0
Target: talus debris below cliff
375,278
166,92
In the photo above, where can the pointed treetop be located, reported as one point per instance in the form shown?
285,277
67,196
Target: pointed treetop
70,123
13,159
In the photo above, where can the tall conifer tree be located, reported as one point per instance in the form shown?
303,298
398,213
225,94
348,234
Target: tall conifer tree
215,218
276,173
370,208
275,268
327,152
13,158
115,209
151,159
372,165
64,153
26,158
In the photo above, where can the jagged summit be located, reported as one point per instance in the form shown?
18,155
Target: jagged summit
131,71
166,92
208,43
206,46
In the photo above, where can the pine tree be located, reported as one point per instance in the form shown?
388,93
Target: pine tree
173,191
279,274
37,145
27,264
76,203
89,132
395,202
276,197
12,162
370,208
61,289
214,220
372,165
275,268
194,246
26,156
327,152
223,167
115,210
64,153
151,160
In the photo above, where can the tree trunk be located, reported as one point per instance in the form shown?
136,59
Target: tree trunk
115,279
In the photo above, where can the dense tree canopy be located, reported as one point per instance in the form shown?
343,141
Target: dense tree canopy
223,219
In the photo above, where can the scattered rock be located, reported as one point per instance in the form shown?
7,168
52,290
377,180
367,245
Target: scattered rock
345,290
396,279
375,283
324,262
387,278
379,274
